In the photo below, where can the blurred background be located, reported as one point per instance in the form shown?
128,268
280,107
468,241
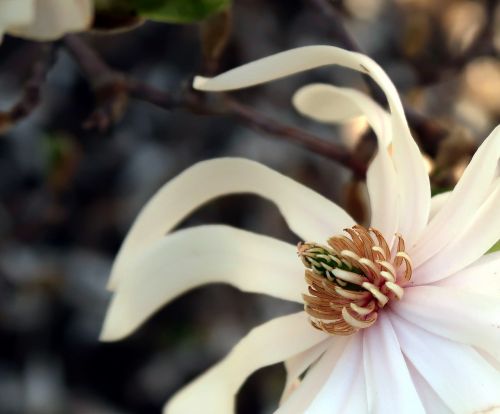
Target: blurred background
69,192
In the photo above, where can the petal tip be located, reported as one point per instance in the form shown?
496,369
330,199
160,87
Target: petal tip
200,83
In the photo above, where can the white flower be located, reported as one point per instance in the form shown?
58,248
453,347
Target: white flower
44,19
435,350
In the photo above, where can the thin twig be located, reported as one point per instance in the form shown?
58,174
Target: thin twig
32,89
196,103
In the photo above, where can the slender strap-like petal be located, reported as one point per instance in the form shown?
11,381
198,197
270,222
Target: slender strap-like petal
437,203
315,378
478,234
412,176
196,256
455,314
340,389
330,104
311,216
384,364
214,392
429,398
298,364
54,18
469,194
458,374
482,277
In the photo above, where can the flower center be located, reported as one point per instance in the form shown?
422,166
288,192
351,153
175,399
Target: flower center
352,278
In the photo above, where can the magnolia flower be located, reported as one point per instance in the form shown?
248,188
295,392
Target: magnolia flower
44,19
400,317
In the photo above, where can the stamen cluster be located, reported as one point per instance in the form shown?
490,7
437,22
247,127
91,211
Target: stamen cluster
352,278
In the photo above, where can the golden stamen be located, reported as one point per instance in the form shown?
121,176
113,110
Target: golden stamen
353,278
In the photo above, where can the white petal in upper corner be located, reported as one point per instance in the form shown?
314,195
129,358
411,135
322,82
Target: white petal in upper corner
340,390
437,203
413,180
482,277
196,256
54,18
311,216
316,377
477,236
461,378
384,364
299,363
459,315
469,194
15,12
327,103
214,392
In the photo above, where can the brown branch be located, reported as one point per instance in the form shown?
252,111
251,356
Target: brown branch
430,132
32,89
196,103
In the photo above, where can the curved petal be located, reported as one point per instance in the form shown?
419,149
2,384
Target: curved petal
481,232
54,18
196,256
463,380
315,378
461,316
299,364
18,12
413,180
338,391
308,214
383,360
268,344
437,203
482,277
469,194
327,103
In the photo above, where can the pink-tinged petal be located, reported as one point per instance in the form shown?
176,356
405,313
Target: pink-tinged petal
308,214
458,374
437,203
413,181
214,392
469,194
482,277
338,391
455,314
54,18
196,256
478,234
384,364
315,378
330,104
298,364
429,398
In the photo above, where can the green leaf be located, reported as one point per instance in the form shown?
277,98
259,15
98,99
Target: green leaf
178,11
494,248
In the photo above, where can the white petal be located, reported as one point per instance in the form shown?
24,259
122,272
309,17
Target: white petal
389,385
214,392
413,180
481,231
196,256
54,18
483,276
469,194
463,380
315,377
311,216
429,398
461,316
298,364
16,12
337,392
437,203
327,103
